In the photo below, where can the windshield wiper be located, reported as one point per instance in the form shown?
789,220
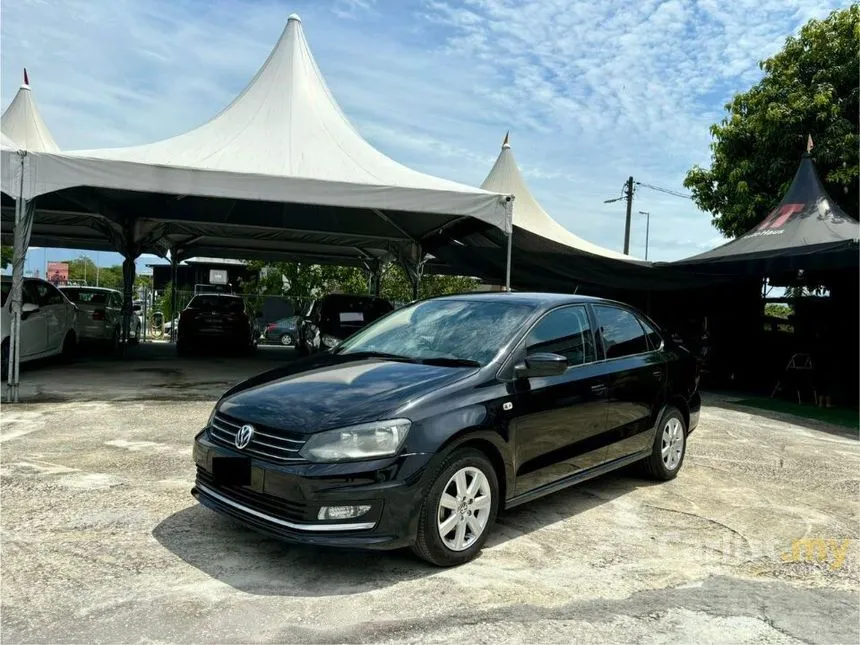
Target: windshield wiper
446,361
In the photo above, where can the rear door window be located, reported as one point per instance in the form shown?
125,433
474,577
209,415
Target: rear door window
620,331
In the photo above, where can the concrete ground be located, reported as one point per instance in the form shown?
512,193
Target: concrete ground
102,542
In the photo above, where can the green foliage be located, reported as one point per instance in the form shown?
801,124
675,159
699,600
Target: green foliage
5,256
777,310
304,282
809,88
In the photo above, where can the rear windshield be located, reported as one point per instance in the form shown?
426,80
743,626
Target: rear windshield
86,296
354,311
217,303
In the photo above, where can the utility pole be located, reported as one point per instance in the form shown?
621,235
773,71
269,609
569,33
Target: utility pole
647,214
629,196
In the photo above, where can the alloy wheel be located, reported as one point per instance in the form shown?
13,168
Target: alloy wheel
672,447
464,508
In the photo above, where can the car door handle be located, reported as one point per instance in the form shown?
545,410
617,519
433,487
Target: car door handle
598,389
657,373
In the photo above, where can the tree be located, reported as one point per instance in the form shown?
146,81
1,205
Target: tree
808,88
5,256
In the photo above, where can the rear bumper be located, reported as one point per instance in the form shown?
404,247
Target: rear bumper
284,500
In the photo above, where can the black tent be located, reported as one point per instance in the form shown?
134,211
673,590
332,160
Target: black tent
806,231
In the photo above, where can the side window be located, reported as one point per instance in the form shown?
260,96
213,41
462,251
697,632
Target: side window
621,332
564,331
47,294
29,295
654,337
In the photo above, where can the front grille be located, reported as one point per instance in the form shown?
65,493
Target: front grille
265,443
274,506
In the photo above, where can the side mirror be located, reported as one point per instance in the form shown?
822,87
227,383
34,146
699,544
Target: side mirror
541,364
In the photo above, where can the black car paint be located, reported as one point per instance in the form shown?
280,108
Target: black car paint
614,403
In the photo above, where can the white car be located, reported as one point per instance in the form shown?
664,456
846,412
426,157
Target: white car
48,321
100,314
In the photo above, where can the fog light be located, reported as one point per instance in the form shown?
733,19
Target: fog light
341,512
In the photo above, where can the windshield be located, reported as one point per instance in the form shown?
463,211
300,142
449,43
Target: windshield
217,303
89,296
472,330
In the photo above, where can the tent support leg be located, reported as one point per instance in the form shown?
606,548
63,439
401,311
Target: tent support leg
23,223
508,263
173,299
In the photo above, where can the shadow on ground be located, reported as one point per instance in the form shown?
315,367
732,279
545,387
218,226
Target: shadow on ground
257,564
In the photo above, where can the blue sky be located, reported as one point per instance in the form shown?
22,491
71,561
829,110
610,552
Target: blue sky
592,92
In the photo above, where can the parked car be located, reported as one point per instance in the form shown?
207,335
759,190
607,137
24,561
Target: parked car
334,317
281,332
420,428
48,322
215,320
100,315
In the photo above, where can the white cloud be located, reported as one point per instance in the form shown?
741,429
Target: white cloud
592,92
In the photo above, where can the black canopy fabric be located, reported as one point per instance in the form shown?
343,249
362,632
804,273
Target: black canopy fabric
807,230
542,264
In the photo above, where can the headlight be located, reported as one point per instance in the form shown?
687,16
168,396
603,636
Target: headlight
329,341
377,439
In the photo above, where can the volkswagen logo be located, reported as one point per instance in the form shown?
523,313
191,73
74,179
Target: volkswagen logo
243,437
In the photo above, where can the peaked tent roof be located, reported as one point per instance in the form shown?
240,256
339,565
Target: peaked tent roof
505,177
22,124
807,229
286,122
280,173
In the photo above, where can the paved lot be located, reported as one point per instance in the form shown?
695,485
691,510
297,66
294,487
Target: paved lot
102,542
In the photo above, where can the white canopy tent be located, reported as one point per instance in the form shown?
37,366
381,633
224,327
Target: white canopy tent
280,172
22,125
21,129
505,177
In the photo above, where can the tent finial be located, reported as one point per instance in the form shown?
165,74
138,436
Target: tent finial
294,16
26,78
506,142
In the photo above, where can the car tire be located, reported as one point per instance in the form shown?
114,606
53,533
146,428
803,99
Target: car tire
286,340
669,448
434,515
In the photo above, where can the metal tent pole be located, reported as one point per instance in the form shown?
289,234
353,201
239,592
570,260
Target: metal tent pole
173,295
509,216
19,252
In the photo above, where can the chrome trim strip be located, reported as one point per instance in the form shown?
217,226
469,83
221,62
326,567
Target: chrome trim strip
276,520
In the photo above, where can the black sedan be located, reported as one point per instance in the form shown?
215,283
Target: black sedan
215,320
420,428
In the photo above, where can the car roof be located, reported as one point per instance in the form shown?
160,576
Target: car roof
80,286
537,299
218,294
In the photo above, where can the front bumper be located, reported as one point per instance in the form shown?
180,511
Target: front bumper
284,500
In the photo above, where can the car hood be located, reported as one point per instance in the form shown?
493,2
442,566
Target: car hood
333,391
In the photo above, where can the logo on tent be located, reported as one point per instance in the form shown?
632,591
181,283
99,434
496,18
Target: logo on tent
777,219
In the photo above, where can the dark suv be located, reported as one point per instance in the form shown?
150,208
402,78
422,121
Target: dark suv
335,317
420,428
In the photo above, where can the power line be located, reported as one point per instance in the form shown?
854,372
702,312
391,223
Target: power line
664,190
